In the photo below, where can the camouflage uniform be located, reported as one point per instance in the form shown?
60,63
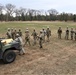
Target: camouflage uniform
41,39
71,33
13,34
9,33
59,32
67,34
20,33
19,39
27,37
48,33
34,34
44,34
75,34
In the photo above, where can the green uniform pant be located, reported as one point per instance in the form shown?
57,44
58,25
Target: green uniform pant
59,36
27,40
40,43
22,51
67,36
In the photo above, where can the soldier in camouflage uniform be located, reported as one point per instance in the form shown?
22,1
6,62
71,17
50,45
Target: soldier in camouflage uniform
41,39
59,32
27,37
67,34
44,33
19,39
13,34
9,33
20,32
71,33
48,33
34,34
75,34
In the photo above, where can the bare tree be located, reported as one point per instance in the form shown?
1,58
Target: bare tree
9,10
22,10
17,13
1,8
53,11
52,14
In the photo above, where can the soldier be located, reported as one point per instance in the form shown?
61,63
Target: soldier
27,37
75,34
48,33
9,33
20,32
13,34
44,33
19,39
71,33
67,34
34,34
59,32
41,39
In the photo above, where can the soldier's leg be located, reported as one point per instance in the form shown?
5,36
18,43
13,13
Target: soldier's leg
29,41
40,43
43,38
22,51
25,41
71,37
47,38
34,41
67,37
60,36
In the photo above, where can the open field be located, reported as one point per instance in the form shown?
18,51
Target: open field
58,57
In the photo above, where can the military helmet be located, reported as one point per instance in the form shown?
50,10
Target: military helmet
40,31
47,27
8,29
26,28
17,35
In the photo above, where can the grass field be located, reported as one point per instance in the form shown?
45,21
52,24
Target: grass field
58,57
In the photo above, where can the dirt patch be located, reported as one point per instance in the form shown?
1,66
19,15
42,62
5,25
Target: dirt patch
54,59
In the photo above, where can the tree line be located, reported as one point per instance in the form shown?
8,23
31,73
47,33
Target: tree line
9,12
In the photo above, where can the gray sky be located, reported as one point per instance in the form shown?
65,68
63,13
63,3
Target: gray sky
68,6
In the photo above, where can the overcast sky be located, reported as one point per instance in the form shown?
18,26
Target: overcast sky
68,6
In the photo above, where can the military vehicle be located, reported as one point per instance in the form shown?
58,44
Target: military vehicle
7,50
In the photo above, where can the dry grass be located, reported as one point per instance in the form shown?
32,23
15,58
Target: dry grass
58,57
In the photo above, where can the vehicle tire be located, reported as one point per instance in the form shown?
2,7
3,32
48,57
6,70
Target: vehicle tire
9,56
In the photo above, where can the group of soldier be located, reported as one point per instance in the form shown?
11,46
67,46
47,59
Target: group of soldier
17,36
69,34
11,33
40,37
